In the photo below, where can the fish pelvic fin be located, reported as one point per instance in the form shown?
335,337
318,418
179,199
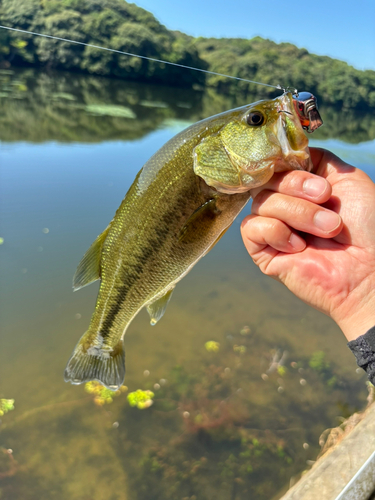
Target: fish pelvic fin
88,269
157,308
95,363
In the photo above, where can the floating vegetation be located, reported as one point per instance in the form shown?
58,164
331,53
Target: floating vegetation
245,331
281,370
21,87
141,399
240,349
212,346
186,105
110,110
153,104
278,359
6,405
101,394
63,95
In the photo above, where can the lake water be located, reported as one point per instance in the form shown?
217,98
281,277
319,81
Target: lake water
226,424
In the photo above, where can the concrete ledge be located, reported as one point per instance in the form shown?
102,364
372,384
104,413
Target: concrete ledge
362,484
345,473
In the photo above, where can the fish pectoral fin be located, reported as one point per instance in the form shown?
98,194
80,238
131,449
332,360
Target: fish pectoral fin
217,240
157,308
199,219
88,269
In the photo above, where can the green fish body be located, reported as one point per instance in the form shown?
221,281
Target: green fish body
179,205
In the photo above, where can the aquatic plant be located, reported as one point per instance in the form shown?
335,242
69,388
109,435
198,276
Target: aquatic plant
101,394
212,346
110,110
318,362
141,399
281,370
240,349
8,465
6,405
245,331
236,459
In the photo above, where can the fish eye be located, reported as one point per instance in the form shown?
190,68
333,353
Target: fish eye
255,118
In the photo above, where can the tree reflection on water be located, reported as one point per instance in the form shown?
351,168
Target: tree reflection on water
40,106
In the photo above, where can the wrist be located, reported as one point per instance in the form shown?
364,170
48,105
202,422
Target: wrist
358,321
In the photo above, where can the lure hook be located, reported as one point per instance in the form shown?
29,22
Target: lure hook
292,90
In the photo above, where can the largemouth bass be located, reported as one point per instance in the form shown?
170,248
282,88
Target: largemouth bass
178,207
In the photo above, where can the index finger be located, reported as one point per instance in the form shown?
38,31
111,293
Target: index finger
298,183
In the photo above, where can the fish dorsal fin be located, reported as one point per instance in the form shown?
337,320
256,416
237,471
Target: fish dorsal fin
157,308
88,269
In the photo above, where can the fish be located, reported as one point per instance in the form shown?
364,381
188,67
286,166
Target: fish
180,204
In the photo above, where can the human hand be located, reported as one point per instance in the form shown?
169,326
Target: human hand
316,234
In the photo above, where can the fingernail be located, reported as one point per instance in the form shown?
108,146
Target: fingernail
296,242
314,187
326,221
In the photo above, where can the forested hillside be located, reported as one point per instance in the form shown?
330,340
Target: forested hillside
124,26
262,60
109,23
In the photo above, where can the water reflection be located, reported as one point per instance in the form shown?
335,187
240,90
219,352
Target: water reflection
244,376
40,106
37,107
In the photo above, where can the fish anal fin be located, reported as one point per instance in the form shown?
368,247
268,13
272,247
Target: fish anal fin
95,363
157,308
88,269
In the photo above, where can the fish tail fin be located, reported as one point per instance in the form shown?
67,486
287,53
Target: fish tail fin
90,362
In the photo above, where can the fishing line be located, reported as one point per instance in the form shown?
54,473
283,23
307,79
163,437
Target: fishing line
279,87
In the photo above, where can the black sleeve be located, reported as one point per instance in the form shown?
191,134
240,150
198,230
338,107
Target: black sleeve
363,349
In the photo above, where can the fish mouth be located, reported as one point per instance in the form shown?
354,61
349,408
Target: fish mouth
291,138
